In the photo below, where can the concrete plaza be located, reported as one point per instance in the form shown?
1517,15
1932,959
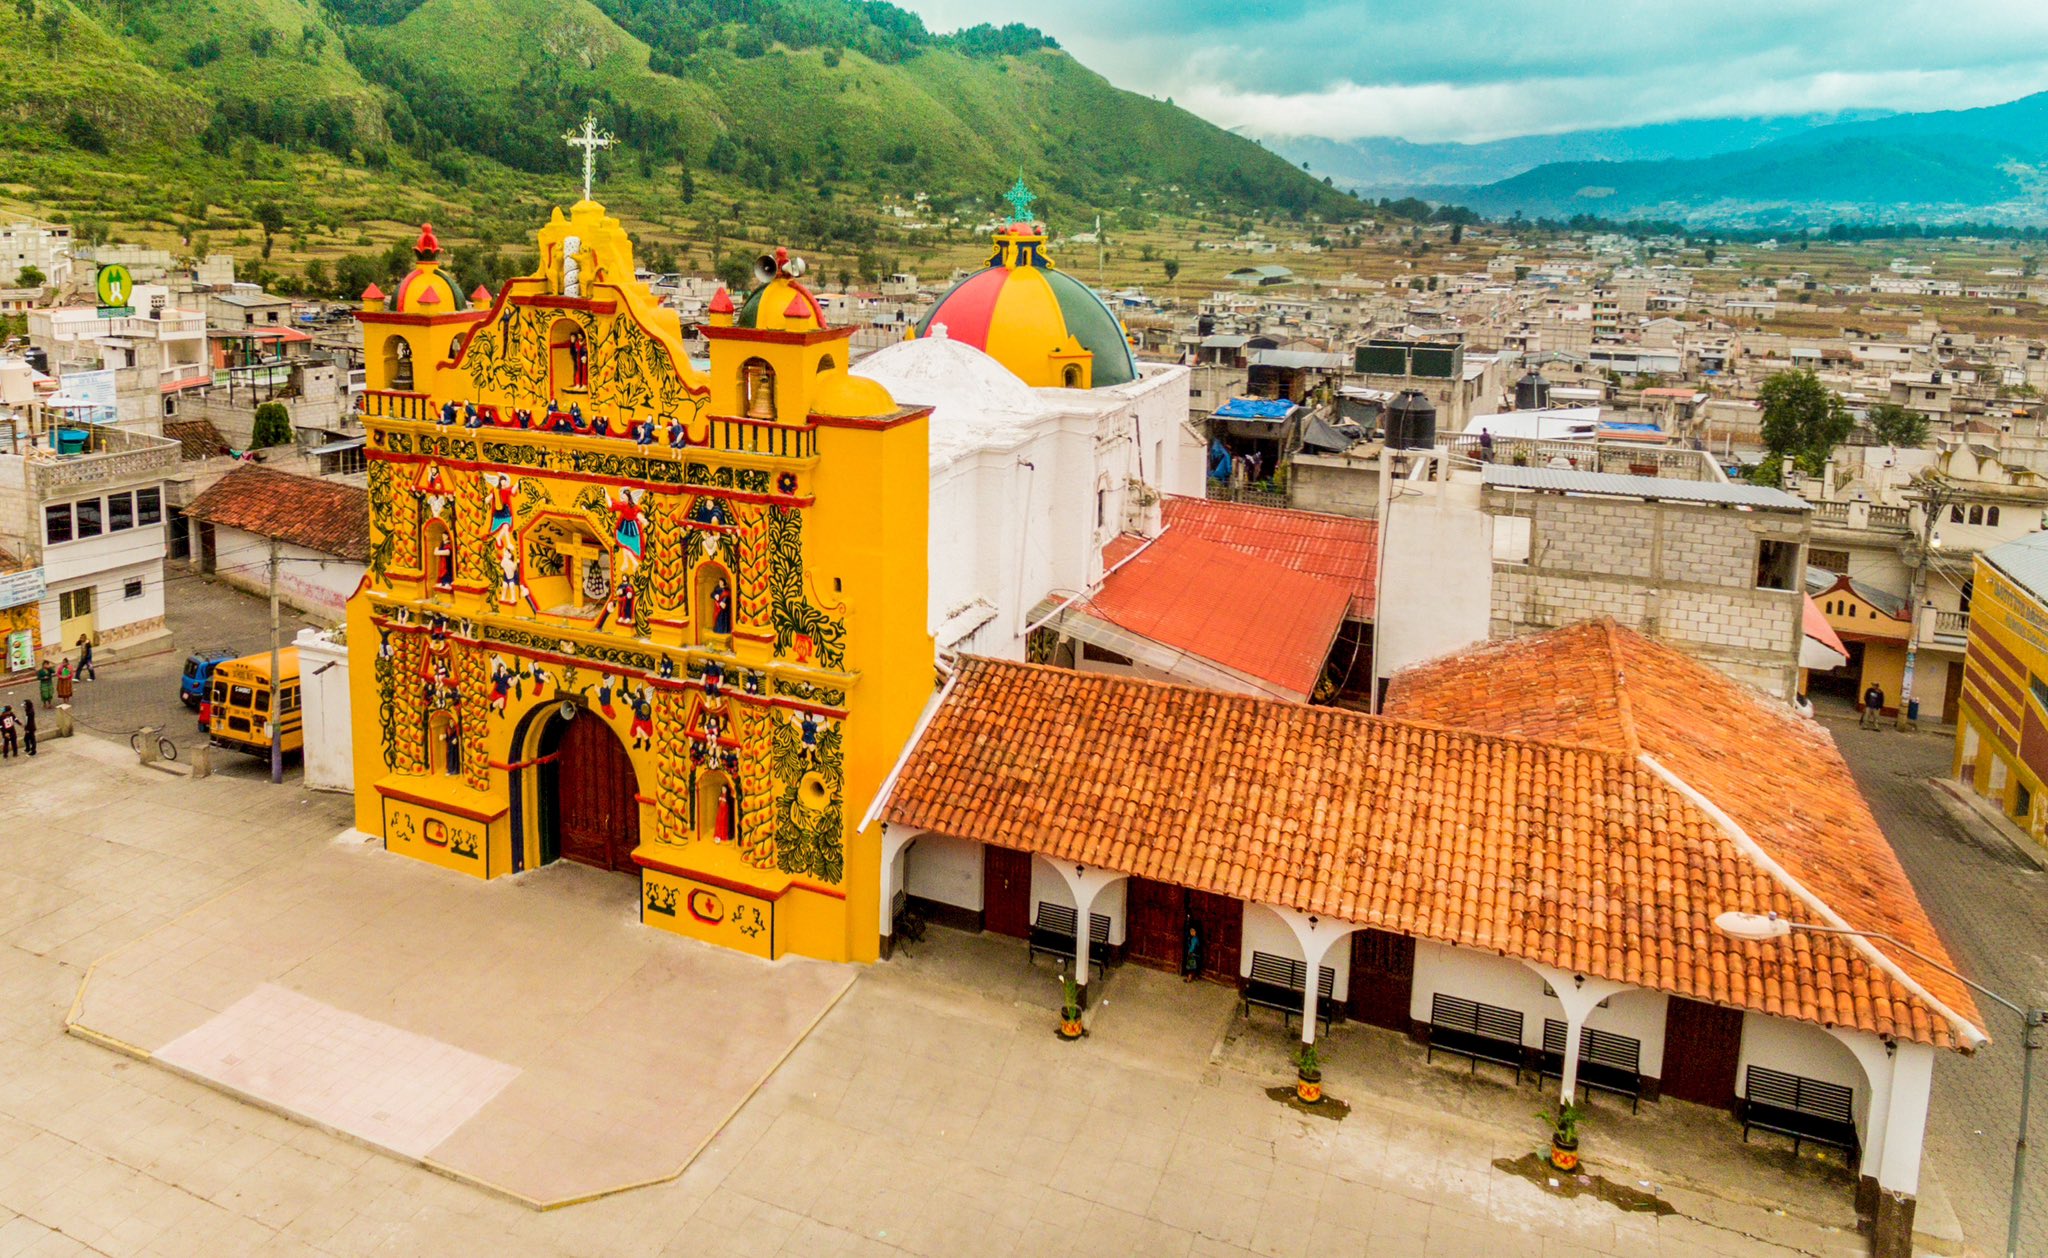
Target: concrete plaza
930,1111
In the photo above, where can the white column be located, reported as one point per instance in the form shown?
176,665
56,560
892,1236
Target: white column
1316,935
894,840
1876,1061
1086,884
1579,995
1905,1125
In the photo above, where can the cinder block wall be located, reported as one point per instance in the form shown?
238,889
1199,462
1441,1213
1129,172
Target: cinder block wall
1681,573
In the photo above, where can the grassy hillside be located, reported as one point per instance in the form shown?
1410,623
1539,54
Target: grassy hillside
177,122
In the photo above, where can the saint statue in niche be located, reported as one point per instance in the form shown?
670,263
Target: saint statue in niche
721,607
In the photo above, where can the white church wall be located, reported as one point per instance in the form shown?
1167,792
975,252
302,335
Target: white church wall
944,869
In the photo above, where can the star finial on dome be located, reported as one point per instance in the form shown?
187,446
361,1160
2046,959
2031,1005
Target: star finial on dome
1020,199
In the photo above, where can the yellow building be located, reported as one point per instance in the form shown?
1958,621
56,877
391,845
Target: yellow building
626,613
2002,726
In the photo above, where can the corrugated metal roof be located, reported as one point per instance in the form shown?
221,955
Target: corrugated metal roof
1300,359
2025,560
1656,488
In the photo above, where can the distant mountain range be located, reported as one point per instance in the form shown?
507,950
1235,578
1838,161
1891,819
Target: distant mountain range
1988,164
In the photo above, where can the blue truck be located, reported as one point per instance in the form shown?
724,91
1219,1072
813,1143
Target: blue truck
198,672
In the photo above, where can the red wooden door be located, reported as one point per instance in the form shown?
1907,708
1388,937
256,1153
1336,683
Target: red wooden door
1006,891
1382,978
1221,921
599,816
1156,918
1701,1045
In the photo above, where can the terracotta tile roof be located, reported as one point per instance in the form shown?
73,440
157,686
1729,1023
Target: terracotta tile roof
1248,614
1333,546
197,439
1574,856
321,515
1776,774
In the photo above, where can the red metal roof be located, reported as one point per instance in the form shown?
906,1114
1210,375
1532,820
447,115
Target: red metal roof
1236,609
1817,628
1333,546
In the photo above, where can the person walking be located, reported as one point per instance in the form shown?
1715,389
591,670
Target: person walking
46,681
28,726
1873,706
8,738
1486,445
64,684
86,672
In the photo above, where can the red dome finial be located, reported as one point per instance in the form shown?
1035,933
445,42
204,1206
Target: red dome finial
721,302
427,247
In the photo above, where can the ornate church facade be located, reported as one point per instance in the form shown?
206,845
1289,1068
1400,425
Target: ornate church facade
627,613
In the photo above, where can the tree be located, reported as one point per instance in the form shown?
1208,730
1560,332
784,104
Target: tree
1803,420
1172,268
271,215
734,270
273,426
1894,425
84,132
1457,233
30,277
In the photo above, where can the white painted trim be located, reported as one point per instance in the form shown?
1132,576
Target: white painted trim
888,787
1970,1035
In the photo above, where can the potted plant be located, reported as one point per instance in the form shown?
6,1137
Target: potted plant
1070,1008
1564,1135
1308,1074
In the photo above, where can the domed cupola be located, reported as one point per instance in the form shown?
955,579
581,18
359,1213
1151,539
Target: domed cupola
1047,327
425,290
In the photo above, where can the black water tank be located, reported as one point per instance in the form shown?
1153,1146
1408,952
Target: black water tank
38,358
1532,392
1411,422
1205,325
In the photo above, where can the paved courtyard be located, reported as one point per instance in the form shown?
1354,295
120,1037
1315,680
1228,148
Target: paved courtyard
931,1111
528,1035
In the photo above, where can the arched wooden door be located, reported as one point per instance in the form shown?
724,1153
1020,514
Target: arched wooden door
596,814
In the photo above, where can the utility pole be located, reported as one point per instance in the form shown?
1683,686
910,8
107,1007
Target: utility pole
276,682
1934,500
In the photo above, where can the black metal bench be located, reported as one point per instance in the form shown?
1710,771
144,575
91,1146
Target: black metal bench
1279,983
1052,932
1804,1109
1607,1062
1475,1031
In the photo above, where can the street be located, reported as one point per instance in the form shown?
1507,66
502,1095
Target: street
143,690
1991,906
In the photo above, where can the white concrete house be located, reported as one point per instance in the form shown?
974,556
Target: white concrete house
93,520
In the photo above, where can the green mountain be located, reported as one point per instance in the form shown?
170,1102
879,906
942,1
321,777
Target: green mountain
1971,165
182,116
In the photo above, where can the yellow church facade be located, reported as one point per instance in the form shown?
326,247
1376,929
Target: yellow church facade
628,613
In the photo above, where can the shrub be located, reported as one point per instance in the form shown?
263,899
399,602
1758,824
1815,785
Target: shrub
273,426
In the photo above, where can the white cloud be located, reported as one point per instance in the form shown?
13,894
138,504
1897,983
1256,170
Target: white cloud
1485,69
1487,111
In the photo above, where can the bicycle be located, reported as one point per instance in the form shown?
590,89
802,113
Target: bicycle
165,748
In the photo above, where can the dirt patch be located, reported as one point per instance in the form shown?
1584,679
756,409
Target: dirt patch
1536,1168
1329,1107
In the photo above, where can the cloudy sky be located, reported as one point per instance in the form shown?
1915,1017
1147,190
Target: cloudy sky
1484,69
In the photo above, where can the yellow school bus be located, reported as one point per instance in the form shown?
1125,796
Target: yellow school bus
238,705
